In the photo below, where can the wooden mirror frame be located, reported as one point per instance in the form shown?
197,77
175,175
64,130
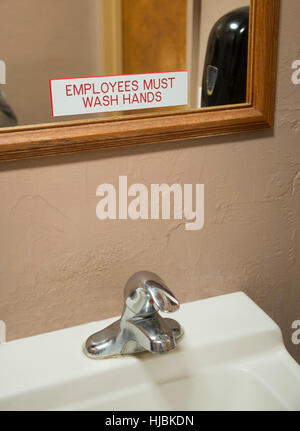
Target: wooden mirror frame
256,114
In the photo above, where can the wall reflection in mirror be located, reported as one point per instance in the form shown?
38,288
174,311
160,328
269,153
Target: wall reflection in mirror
80,38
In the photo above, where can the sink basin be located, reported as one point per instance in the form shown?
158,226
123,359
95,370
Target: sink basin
231,357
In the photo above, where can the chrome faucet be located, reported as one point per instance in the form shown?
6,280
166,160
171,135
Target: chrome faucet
141,327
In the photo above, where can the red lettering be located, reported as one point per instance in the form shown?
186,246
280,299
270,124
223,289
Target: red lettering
75,90
171,79
158,96
67,90
164,83
113,86
126,99
114,100
135,99
148,86
143,97
135,85
120,86
97,102
156,85
127,85
150,97
106,100
103,86
87,101
94,91
87,88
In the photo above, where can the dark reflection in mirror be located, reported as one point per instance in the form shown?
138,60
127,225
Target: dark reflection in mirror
225,68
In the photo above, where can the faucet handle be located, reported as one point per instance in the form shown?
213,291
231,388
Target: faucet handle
162,296
155,296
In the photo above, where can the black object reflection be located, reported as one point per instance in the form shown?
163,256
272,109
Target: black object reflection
7,115
225,68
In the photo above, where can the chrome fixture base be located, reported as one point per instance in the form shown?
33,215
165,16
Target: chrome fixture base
141,328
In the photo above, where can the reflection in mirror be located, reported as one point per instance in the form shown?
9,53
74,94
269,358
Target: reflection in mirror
91,38
224,80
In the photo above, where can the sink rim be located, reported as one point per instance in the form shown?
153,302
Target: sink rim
233,311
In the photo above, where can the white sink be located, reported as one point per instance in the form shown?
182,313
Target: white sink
231,357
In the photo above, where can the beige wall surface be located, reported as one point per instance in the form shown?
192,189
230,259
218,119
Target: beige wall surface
42,40
61,266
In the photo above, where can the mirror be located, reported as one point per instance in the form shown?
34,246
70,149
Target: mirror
76,38
129,72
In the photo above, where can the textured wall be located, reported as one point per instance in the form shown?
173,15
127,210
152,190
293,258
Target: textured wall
60,266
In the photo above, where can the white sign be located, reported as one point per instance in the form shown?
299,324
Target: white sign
96,94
